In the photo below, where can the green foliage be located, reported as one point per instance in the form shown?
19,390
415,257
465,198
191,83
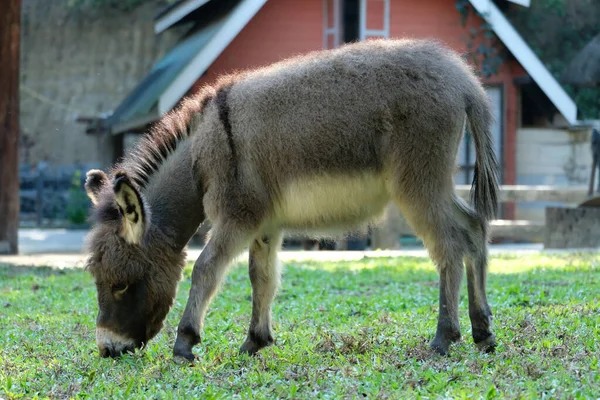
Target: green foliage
557,30
483,46
357,329
77,205
587,99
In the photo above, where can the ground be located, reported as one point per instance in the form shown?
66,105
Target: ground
344,329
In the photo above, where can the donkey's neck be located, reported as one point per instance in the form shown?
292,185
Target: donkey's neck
174,197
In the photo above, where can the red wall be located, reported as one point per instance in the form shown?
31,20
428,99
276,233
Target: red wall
286,27
282,28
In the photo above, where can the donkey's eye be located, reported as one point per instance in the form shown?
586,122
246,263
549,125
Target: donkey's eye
119,288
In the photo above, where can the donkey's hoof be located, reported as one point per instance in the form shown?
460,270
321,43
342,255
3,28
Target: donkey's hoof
439,347
250,347
183,351
183,356
184,359
186,339
254,343
488,345
441,344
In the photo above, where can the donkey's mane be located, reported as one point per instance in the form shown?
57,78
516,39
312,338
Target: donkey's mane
163,137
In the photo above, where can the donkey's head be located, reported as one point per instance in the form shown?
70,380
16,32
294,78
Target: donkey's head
135,266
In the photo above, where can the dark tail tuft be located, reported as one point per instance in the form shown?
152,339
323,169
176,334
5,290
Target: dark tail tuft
484,191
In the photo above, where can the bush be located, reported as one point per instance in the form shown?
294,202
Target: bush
78,203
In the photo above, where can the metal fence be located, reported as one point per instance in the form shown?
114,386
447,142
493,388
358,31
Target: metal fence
53,196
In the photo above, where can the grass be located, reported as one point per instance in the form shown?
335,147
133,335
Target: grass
343,330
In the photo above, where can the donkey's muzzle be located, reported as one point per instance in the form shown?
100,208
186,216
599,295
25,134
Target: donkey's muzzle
110,351
112,344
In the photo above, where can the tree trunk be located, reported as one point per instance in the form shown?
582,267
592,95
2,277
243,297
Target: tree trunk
10,23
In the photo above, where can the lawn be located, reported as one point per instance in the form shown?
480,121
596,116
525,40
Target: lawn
343,330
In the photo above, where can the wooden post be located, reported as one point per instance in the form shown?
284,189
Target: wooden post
10,23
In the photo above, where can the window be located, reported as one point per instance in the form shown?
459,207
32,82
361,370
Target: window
351,20
331,23
374,19
347,21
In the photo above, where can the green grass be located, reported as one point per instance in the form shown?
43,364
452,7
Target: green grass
343,330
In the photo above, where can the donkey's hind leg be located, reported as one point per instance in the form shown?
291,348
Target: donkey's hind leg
476,262
226,242
264,276
446,236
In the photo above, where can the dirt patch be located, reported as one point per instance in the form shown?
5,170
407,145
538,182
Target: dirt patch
345,343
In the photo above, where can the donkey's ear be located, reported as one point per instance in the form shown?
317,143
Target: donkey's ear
132,208
94,182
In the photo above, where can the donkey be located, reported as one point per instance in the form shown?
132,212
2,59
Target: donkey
320,142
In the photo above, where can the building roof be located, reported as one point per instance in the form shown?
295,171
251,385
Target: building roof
172,77
232,25
584,69
524,3
141,105
176,12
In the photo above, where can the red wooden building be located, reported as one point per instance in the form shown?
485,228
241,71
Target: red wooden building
225,35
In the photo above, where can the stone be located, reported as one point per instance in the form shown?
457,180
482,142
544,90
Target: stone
572,228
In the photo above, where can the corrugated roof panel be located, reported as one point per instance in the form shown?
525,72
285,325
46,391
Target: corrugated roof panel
142,101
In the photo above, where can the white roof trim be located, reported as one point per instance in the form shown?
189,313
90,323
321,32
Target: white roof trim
177,13
524,3
523,53
236,21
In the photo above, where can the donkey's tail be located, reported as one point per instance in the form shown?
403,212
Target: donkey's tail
484,191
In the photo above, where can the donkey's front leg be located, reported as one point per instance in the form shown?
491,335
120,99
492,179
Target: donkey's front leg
264,276
209,270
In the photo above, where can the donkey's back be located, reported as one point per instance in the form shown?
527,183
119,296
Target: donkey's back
344,109
328,139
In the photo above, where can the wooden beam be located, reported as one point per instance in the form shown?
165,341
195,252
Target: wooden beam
10,21
518,230
522,193
513,229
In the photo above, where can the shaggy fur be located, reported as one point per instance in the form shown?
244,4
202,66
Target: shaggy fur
154,148
316,143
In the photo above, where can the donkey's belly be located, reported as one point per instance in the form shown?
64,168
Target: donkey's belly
331,202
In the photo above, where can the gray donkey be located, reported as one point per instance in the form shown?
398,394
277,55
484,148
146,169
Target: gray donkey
317,143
